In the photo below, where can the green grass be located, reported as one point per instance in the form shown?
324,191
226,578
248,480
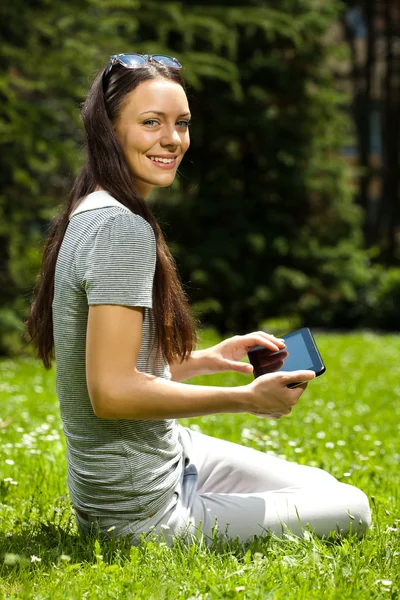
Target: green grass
347,422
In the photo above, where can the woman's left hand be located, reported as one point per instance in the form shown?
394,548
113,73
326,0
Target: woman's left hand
227,355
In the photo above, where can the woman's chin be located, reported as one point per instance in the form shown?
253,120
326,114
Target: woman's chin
163,181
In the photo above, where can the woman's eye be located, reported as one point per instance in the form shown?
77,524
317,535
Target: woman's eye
154,122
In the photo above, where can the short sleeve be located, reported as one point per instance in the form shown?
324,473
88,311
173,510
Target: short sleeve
115,263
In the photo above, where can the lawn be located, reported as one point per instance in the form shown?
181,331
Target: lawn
347,422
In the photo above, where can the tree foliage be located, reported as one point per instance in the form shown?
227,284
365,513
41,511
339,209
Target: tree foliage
261,218
264,222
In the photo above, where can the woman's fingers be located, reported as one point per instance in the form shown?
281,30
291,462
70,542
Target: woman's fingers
260,338
303,386
297,376
270,396
272,366
273,414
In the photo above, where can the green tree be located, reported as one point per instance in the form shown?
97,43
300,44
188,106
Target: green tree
261,218
49,53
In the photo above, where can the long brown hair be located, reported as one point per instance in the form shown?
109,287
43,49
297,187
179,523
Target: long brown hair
107,168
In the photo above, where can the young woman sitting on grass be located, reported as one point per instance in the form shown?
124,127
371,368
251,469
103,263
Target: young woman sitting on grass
110,301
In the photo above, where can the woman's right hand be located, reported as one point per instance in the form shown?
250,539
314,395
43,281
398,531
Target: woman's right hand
269,397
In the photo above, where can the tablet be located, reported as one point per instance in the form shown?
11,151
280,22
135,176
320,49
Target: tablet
301,353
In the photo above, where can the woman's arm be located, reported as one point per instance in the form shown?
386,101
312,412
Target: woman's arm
118,390
143,396
225,356
196,364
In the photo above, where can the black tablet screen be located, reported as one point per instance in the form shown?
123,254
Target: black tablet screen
292,358
298,354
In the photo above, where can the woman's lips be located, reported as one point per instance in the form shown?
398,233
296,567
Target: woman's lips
162,165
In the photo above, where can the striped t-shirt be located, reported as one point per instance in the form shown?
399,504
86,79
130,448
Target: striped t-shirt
116,467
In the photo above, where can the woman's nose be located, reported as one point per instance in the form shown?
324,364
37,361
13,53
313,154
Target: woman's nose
172,138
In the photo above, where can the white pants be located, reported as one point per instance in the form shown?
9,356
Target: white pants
247,493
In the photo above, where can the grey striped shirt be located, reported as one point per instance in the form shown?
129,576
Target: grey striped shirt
116,467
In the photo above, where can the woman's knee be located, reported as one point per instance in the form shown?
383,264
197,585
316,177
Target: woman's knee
359,508
315,476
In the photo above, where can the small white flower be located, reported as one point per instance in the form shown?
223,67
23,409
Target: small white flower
163,526
321,435
385,582
329,445
9,461
111,528
35,558
65,557
346,474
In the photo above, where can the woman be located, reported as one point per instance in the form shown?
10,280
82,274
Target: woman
110,301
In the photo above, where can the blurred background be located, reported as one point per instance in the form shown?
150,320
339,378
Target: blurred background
286,209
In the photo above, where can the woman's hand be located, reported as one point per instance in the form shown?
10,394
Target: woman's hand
227,355
268,396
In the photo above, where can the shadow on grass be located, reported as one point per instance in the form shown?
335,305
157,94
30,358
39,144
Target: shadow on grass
51,543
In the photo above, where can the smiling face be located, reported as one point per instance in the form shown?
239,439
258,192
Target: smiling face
153,131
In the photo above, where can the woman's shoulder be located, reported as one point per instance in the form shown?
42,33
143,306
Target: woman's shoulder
114,239
122,217
106,206
101,213
113,228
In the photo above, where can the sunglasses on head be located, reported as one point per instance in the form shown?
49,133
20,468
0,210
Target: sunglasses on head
132,61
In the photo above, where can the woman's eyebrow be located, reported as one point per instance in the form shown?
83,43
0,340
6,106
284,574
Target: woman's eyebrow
157,112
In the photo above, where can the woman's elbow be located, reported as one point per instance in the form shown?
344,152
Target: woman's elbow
103,406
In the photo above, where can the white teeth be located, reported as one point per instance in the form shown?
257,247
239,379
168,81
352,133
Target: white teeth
163,160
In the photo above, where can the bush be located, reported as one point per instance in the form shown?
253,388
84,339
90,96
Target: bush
382,299
263,219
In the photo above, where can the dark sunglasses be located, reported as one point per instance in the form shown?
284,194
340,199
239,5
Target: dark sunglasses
132,61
